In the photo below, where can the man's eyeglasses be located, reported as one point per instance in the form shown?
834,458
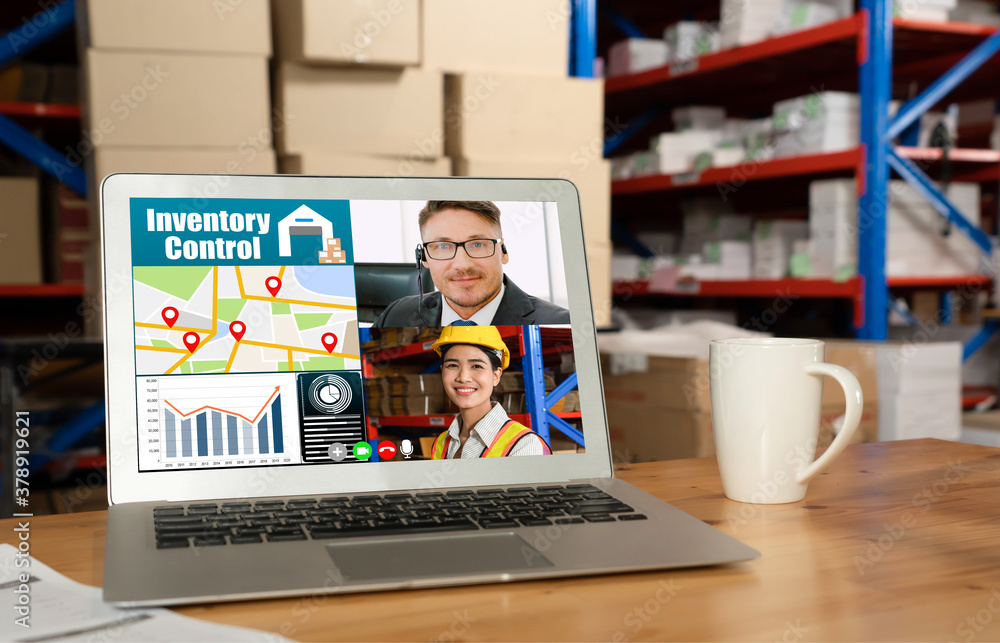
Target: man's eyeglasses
475,248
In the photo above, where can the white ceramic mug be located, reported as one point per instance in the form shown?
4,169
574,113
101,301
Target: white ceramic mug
766,396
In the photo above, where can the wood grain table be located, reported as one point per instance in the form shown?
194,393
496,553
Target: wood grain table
898,541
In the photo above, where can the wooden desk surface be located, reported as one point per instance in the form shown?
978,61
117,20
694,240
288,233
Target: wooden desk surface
898,541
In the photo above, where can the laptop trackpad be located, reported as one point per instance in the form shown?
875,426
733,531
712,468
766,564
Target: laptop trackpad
430,556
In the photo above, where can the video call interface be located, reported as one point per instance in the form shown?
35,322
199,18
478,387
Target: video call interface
276,332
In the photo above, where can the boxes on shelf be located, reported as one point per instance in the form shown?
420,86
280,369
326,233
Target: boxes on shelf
920,385
688,39
323,163
916,241
744,23
592,178
180,25
393,112
979,11
176,100
513,36
816,123
374,32
732,257
633,55
773,246
797,15
72,235
493,116
925,10
676,152
20,236
695,117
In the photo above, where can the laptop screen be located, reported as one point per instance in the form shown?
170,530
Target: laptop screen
277,332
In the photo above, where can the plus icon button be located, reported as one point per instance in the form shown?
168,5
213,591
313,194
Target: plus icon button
337,452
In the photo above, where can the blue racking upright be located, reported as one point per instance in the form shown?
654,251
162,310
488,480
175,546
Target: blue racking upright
647,95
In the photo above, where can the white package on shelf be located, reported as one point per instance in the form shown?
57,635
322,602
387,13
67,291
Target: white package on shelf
688,39
797,15
698,117
818,122
773,243
744,22
633,55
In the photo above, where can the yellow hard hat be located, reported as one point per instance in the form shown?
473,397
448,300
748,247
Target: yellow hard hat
485,336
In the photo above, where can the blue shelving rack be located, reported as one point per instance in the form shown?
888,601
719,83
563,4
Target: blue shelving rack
33,33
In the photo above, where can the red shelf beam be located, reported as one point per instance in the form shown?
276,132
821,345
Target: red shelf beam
40,110
749,171
843,29
42,290
816,288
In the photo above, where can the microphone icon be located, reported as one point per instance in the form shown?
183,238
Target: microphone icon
406,448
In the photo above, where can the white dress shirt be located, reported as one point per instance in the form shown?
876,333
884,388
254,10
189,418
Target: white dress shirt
483,434
483,316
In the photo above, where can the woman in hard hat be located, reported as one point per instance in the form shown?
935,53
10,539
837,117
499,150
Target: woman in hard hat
472,360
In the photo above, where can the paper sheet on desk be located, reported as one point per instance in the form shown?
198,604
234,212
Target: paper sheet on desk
64,610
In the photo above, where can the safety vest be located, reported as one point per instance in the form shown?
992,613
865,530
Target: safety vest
502,445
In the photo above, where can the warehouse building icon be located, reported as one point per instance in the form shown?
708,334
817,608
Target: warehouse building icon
303,221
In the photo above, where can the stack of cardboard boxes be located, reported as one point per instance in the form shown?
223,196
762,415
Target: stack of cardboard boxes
177,87
353,93
511,110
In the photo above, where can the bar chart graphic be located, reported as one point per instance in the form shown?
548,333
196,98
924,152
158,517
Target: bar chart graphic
208,420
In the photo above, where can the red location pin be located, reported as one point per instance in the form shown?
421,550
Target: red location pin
329,342
237,328
191,340
169,315
273,285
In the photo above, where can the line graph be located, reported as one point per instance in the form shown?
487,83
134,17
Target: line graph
229,420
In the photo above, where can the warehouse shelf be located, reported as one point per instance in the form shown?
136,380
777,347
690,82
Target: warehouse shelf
41,290
967,164
792,63
871,53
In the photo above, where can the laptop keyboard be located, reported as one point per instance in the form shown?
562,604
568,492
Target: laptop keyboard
234,523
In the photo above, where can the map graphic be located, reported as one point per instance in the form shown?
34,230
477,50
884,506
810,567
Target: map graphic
249,319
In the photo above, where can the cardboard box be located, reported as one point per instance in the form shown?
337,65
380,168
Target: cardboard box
375,32
511,36
190,26
108,160
860,358
176,100
20,233
519,117
592,178
658,408
326,164
395,112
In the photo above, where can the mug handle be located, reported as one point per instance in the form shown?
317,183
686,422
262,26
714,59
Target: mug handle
852,417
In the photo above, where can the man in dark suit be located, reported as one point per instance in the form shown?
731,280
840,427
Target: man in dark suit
464,250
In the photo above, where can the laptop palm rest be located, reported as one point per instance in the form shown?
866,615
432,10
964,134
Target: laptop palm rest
434,556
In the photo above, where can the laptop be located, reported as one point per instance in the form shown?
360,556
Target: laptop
263,442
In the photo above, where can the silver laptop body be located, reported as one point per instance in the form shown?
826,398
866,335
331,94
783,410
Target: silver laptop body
169,453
